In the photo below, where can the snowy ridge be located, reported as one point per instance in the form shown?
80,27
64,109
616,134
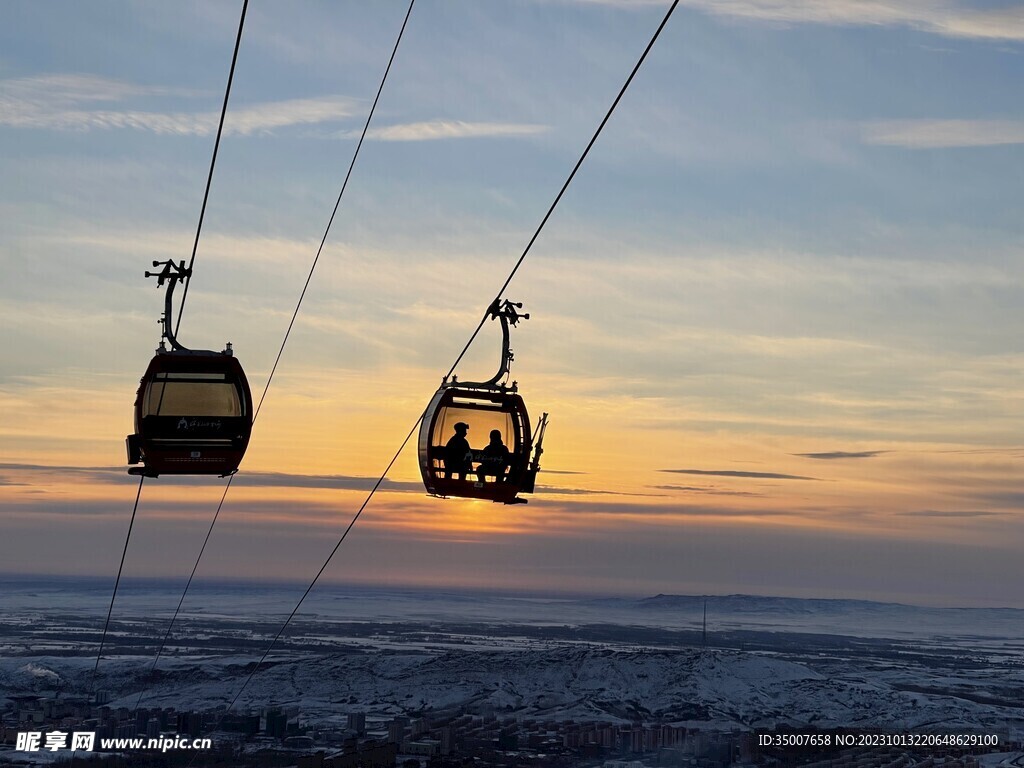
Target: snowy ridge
769,661
709,688
33,597
713,687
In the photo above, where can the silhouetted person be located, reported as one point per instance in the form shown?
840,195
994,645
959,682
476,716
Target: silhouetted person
458,457
494,458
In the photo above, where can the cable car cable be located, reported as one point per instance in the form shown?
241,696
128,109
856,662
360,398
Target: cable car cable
140,447
213,162
323,568
568,181
298,305
383,475
344,185
195,247
177,610
117,581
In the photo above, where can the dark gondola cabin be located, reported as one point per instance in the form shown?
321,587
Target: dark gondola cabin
193,408
193,415
475,440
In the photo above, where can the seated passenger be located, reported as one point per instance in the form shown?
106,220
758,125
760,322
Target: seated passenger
457,454
494,458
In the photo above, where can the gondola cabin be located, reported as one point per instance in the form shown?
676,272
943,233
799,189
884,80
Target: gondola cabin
485,419
193,408
475,440
193,415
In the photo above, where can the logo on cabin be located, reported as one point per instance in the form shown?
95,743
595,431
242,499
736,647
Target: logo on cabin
190,424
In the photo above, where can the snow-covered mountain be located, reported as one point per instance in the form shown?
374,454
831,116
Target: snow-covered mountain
708,688
768,661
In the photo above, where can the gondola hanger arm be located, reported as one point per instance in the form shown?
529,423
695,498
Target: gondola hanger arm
507,313
171,274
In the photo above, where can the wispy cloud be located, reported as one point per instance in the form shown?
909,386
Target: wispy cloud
434,130
841,455
940,17
300,512
358,483
738,473
1012,499
1014,451
587,492
68,102
337,482
61,468
942,134
649,510
278,480
709,491
243,479
948,513
63,88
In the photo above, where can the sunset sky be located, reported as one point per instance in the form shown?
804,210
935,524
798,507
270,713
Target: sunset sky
776,319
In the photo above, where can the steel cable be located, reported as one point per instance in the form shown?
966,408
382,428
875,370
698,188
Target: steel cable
213,163
195,246
284,341
117,581
508,280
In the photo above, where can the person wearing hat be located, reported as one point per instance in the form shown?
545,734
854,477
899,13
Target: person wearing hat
458,456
